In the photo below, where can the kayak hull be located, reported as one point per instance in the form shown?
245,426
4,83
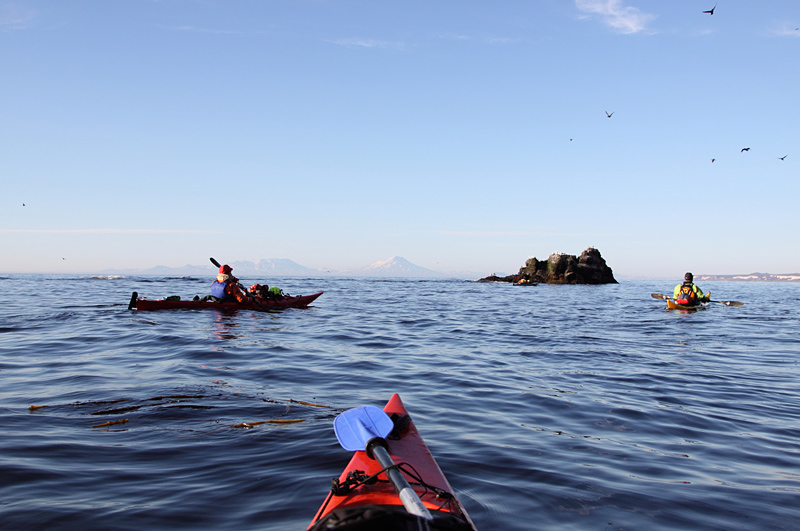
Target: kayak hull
142,304
672,305
408,448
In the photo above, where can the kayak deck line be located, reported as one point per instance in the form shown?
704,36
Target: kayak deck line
362,493
288,301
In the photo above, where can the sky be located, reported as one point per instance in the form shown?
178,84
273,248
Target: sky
460,135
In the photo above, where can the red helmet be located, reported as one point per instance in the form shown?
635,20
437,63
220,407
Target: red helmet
225,269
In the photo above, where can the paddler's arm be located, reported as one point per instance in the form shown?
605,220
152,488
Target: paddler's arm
700,296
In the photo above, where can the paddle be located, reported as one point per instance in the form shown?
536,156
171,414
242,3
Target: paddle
726,303
365,428
729,303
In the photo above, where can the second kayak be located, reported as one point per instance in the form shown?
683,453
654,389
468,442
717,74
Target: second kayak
363,498
672,305
143,304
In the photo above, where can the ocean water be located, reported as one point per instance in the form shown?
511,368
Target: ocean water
547,407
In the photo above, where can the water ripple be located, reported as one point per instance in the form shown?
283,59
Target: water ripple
580,407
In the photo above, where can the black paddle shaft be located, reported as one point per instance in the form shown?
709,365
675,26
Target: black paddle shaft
376,448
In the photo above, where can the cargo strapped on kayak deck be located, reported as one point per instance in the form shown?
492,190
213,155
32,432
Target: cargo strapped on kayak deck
356,478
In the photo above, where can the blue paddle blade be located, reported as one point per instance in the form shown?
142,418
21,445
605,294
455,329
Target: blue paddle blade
355,427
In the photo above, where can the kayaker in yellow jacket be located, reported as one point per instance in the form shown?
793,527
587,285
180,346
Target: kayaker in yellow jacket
688,294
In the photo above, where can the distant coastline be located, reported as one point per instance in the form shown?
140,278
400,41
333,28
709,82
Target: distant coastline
752,277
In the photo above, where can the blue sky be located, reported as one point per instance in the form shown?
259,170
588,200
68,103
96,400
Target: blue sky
461,135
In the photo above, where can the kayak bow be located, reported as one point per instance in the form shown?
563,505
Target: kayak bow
359,501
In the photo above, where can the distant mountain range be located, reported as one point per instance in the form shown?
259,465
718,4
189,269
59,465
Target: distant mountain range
395,266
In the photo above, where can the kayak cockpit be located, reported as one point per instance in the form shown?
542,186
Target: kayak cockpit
387,518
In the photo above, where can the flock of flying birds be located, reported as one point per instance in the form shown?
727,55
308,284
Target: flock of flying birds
710,12
610,114
748,149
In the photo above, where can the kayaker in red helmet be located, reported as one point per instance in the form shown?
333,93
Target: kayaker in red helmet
688,294
226,287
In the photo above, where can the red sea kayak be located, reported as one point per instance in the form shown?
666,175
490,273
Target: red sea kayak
300,301
355,505
672,305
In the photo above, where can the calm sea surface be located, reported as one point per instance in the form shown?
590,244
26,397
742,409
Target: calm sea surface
548,407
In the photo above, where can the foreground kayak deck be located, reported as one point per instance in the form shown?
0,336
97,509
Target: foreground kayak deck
300,301
672,305
376,505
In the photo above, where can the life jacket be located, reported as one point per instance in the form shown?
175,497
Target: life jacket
219,289
687,296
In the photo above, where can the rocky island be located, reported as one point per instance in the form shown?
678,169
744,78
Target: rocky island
560,268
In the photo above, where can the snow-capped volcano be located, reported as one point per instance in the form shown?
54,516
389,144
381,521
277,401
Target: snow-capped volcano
395,266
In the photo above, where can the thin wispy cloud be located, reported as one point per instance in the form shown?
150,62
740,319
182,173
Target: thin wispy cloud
621,18
107,231
12,17
195,29
786,30
500,234
479,39
500,40
366,43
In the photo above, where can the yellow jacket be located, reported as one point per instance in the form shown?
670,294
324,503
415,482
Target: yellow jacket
698,292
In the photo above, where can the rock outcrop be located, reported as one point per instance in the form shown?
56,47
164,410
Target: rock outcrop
559,268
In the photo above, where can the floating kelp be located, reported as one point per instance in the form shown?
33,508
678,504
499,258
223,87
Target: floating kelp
248,425
110,423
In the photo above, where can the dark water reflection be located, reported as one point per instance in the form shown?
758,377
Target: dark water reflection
550,407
